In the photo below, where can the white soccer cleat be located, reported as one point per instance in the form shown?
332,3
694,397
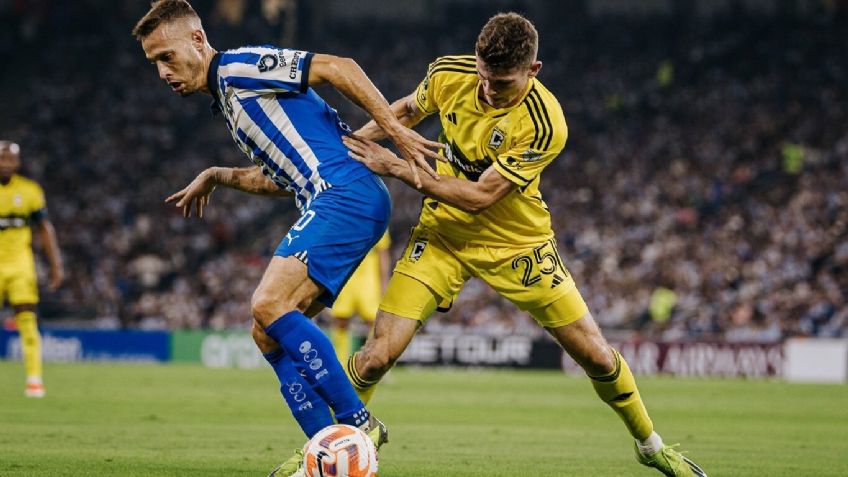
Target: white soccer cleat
35,390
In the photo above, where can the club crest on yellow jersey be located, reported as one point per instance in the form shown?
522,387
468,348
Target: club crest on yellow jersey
497,138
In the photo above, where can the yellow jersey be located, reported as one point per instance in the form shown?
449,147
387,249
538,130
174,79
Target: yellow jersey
21,204
518,141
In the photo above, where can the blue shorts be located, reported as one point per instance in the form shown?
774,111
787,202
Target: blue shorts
337,230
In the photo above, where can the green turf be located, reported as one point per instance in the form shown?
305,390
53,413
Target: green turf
120,420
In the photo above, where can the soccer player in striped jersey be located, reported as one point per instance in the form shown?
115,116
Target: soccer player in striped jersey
22,210
486,218
294,139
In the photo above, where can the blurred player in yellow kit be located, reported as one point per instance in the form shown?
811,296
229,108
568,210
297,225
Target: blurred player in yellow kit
22,208
360,297
485,218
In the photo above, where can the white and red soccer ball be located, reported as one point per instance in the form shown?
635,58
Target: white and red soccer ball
340,451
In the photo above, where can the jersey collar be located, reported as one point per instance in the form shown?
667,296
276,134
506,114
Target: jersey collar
212,84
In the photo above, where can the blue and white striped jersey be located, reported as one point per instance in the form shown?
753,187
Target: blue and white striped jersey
281,123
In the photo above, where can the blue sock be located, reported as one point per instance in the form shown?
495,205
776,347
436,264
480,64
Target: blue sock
312,352
307,407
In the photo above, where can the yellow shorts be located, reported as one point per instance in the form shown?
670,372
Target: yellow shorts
359,297
432,271
18,283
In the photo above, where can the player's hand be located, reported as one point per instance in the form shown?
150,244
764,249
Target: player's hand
195,195
375,157
55,279
415,149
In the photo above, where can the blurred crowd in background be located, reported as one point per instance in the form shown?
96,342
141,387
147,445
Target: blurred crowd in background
703,192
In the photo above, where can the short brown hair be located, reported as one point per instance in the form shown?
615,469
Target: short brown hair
507,41
162,11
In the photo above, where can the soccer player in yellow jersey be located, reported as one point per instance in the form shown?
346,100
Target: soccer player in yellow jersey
360,296
22,207
485,217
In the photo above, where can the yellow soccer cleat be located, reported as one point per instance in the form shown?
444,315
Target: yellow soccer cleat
670,462
293,467
377,431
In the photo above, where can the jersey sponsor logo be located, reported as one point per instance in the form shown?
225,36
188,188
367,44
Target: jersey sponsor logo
497,138
12,222
417,250
17,200
531,156
471,168
268,63
294,63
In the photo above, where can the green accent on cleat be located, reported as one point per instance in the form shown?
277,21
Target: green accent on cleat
293,467
670,462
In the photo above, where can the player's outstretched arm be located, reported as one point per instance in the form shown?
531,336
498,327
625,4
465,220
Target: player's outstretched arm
247,179
405,110
47,235
346,76
471,197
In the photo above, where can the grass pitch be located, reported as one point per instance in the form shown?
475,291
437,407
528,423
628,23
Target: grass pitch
126,420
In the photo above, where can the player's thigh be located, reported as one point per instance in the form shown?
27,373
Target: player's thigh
532,278
409,298
430,261
284,287
21,287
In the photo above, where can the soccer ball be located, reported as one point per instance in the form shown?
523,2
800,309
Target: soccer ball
340,451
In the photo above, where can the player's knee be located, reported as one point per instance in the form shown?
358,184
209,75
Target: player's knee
600,361
266,308
262,309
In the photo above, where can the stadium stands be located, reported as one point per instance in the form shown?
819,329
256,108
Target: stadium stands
703,192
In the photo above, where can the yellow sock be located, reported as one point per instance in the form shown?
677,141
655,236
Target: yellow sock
30,343
364,388
618,389
340,337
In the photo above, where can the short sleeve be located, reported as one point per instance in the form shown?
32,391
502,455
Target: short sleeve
37,205
425,97
266,69
529,156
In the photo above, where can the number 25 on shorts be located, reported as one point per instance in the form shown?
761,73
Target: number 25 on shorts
544,260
